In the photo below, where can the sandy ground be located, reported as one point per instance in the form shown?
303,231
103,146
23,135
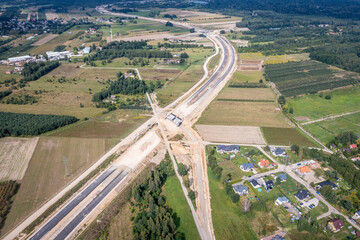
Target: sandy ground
45,39
15,154
240,43
235,134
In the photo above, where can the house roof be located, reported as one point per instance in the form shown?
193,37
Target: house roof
353,146
278,237
269,183
304,169
357,212
283,199
248,166
282,176
327,183
264,162
279,151
240,188
254,182
338,223
302,194
227,148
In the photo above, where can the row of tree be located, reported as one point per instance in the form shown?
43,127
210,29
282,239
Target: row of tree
17,124
153,218
7,190
35,70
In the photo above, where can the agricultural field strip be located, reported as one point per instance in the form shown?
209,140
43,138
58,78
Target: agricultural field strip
330,117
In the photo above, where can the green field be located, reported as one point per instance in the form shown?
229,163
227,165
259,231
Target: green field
228,219
176,200
316,107
296,78
328,129
286,137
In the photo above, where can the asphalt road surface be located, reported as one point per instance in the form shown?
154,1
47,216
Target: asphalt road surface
70,206
91,206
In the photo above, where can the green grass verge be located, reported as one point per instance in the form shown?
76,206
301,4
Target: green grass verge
228,220
183,217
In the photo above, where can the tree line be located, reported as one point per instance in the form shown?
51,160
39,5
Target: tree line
17,124
35,70
7,190
153,218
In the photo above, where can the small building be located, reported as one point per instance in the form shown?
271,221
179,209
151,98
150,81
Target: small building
302,195
129,75
327,183
335,224
87,50
9,72
176,120
278,152
303,170
281,200
246,167
356,215
353,146
255,183
264,163
241,189
227,149
282,177
269,185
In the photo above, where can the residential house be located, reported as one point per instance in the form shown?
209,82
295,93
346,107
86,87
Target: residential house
353,146
255,183
355,159
172,61
278,152
335,224
269,185
282,177
356,215
303,170
327,183
348,150
281,200
241,189
227,149
302,195
9,72
246,167
276,236
264,163
87,50
129,75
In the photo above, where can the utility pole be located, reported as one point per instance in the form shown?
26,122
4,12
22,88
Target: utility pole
66,166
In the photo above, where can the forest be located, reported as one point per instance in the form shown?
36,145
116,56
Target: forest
126,86
33,71
23,124
153,218
129,49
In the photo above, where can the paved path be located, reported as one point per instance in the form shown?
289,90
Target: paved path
330,117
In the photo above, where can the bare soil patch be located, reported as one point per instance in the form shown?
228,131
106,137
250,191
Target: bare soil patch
159,74
231,134
250,65
15,154
45,39
247,93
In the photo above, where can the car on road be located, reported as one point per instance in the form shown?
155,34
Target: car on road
257,199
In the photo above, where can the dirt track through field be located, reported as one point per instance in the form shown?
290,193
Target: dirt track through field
45,39
231,134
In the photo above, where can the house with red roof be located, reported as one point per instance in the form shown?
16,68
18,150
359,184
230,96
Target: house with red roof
264,163
335,224
353,146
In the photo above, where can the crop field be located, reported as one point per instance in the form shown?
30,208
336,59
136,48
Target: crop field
296,78
328,129
159,74
247,76
201,17
45,39
15,154
285,137
46,172
275,59
246,94
23,47
314,107
50,45
263,114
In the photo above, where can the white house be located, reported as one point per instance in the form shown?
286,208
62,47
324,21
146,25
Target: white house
281,200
